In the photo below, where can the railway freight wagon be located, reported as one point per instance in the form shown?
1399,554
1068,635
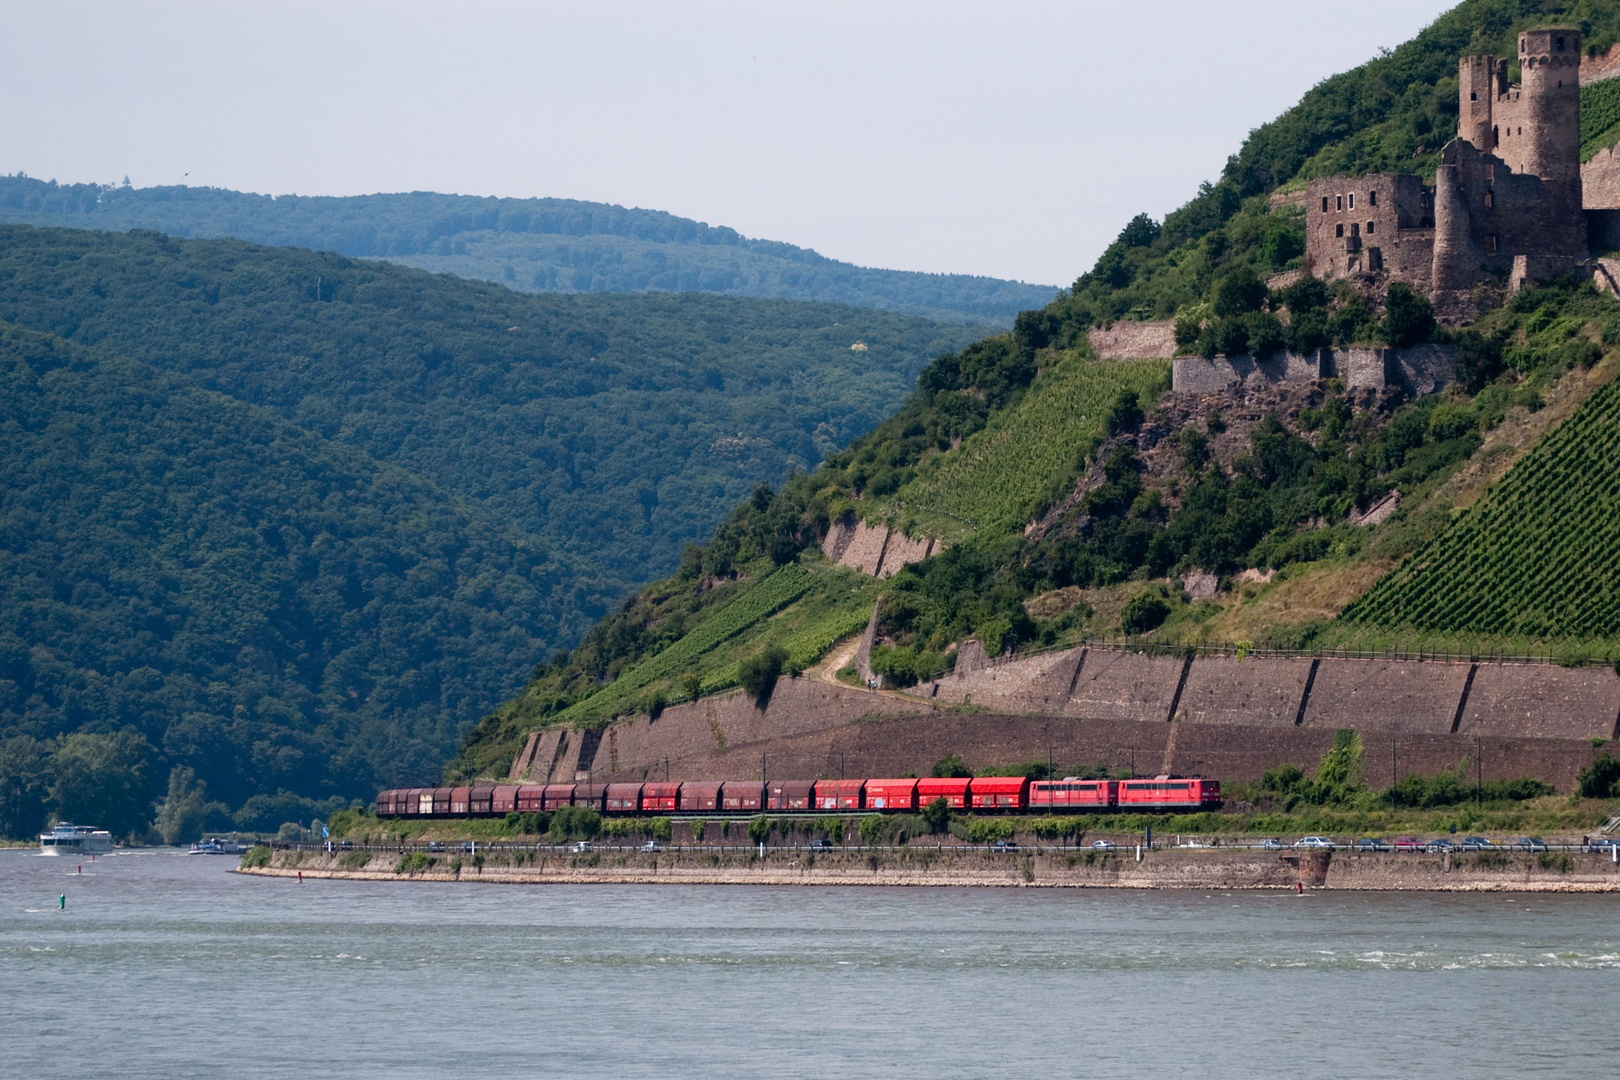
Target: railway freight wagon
984,794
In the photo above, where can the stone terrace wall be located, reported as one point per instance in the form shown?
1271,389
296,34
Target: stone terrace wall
1540,702
695,731
1420,369
1256,692
1039,684
1386,695
898,745
1134,341
873,549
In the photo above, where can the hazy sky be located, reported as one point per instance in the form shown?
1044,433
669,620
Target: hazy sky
1012,139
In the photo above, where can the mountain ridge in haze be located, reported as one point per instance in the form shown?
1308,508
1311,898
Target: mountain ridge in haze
532,245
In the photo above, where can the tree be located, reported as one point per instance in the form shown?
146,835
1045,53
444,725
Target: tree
180,818
25,778
1408,317
937,815
758,673
1143,612
1600,779
1239,293
102,780
759,829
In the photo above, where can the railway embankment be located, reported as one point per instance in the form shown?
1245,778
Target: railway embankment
917,865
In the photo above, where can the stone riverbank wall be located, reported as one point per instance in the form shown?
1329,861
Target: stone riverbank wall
923,864
1210,715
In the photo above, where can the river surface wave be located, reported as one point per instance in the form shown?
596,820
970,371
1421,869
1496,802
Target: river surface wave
168,965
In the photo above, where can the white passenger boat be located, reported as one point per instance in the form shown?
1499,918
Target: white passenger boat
75,840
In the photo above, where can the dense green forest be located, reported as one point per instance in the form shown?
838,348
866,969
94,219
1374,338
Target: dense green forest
293,521
617,427
271,609
534,245
1024,427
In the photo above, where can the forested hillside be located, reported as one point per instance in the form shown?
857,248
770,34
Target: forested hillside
616,427
533,245
1076,497
293,521
247,599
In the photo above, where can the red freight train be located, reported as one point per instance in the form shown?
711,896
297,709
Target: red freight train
986,794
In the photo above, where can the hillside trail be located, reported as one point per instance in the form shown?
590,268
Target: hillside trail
841,656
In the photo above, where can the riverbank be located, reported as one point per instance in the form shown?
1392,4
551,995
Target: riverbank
1493,871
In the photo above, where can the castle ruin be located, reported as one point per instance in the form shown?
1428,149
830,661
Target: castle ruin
1507,202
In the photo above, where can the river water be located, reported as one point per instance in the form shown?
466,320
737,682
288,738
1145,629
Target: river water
165,965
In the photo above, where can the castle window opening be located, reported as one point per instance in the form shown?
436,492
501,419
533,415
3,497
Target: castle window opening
1489,201
1559,44
1490,244
1324,204
1352,200
1369,228
1338,203
1490,171
1338,230
1372,198
1355,228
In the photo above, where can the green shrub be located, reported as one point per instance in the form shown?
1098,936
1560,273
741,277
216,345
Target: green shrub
256,856
871,829
1601,779
759,829
1144,612
414,863
575,823
758,673
354,860
937,815
989,830
952,767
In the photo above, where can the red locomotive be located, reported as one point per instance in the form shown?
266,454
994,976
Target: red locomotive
985,794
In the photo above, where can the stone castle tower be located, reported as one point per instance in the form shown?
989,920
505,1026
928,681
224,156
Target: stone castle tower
1506,203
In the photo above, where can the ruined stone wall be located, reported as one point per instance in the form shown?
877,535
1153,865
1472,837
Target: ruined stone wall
901,551
1605,65
1600,182
1419,369
1134,341
864,549
1347,219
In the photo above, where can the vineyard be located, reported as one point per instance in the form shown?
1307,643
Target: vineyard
998,477
812,609
1533,559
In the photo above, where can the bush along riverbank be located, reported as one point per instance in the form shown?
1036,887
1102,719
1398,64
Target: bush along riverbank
1212,867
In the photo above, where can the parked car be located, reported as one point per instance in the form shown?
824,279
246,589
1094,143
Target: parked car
347,845
1530,843
467,847
1003,845
1371,843
581,846
1271,843
1104,845
1408,843
1439,847
435,846
1477,843
1318,843
1601,843
652,846
822,845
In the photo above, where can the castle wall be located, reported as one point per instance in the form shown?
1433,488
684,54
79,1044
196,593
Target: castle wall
1600,183
1419,369
1134,341
1354,225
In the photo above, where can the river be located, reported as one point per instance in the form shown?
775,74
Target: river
169,966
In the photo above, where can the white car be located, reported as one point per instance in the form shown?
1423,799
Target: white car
1320,843
652,846
581,846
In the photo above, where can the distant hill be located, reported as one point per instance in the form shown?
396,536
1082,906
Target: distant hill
533,245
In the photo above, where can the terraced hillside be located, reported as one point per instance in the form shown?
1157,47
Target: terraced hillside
998,477
1535,558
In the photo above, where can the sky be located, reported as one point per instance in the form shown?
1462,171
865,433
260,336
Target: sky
1012,139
